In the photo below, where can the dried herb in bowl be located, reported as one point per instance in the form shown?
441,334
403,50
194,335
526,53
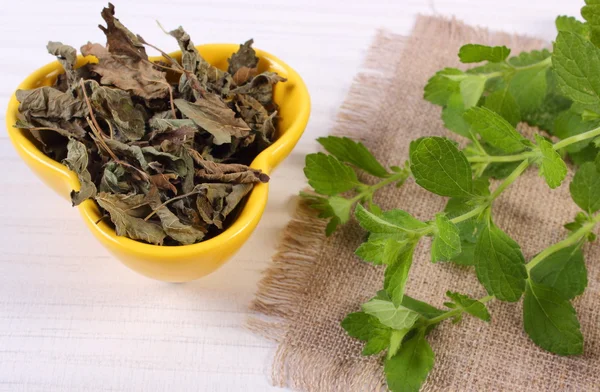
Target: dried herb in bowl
162,147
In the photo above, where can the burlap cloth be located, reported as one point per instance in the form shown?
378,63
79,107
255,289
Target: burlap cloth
315,281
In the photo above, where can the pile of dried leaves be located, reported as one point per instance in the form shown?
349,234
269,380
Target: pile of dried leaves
162,147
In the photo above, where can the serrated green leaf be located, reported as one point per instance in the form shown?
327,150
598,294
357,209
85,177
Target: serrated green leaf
591,13
495,130
551,321
355,153
474,53
382,248
470,305
393,221
503,103
552,167
397,272
576,62
396,317
440,88
570,24
499,264
446,242
452,115
563,271
408,369
438,166
471,89
524,59
328,176
585,187
369,329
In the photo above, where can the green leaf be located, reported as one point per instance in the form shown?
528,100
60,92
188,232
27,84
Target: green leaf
389,314
471,89
495,130
503,103
408,369
396,274
423,308
499,264
563,271
452,115
382,248
569,123
469,305
524,59
552,166
473,53
396,341
585,188
441,168
576,62
467,228
554,103
393,221
341,208
529,88
355,153
551,321
467,254
446,242
368,328
440,88
328,176
591,13
570,24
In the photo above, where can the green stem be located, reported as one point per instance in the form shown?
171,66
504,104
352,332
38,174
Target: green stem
541,64
573,239
454,312
510,179
369,191
504,158
577,138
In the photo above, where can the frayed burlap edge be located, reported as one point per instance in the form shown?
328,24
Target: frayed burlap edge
286,280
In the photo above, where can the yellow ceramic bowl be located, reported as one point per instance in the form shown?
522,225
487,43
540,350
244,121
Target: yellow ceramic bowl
189,262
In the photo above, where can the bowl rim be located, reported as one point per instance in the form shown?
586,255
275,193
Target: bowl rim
252,210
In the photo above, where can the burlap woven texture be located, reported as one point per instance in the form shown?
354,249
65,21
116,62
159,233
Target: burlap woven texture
315,281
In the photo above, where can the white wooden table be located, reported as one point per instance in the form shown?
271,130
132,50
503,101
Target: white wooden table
71,316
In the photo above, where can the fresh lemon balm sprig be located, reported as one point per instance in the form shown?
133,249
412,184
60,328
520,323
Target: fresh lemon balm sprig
559,93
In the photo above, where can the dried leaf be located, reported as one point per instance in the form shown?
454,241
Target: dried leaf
244,74
77,160
226,172
216,201
210,77
245,57
119,40
182,233
163,181
122,213
261,87
113,179
139,77
214,116
116,106
67,57
48,102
